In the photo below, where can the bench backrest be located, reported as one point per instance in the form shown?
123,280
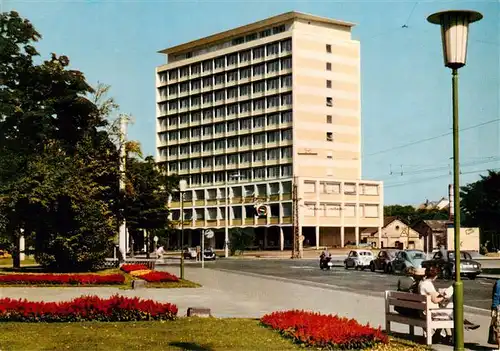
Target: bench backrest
407,300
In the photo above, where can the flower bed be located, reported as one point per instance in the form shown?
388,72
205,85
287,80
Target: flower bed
62,279
141,271
157,277
127,268
86,308
324,331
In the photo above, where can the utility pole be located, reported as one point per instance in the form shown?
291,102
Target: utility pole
122,236
296,252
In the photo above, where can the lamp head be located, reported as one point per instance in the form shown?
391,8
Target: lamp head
454,34
182,185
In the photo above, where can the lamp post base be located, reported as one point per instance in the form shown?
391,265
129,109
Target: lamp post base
458,315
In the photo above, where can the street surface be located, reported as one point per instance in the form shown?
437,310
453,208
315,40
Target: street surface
477,293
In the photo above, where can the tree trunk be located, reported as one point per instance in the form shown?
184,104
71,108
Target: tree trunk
146,237
16,252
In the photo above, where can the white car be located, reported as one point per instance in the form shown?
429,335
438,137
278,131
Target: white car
358,259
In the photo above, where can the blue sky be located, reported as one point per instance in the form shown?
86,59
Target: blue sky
406,90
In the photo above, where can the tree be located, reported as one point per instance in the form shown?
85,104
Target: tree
240,239
480,202
58,165
412,215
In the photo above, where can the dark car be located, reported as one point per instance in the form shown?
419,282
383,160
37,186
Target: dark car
383,262
468,267
209,254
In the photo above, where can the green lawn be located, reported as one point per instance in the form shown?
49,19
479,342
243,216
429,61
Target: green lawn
8,261
183,334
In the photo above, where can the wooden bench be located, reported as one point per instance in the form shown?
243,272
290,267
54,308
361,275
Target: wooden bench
430,318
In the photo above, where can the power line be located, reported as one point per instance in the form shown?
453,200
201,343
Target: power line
437,177
432,138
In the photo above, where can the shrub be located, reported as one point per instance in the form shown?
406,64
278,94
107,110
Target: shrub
127,268
156,277
324,331
60,279
86,308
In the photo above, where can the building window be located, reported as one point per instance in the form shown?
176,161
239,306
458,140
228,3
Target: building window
259,156
273,137
232,76
196,147
273,49
286,152
245,157
273,101
259,122
196,132
286,81
208,146
286,117
246,140
273,119
258,52
329,101
184,87
329,136
246,123
245,107
259,104
173,150
245,56
259,70
232,159
369,189
232,109
220,128
220,145
259,138
196,100
370,211
184,71
245,89
273,154
207,65
329,119
220,95
207,82
232,93
207,131
231,126
273,172
259,87
195,163
286,134
286,45
220,79
219,62
273,66
196,84
286,171
350,188
195,116
232,59
220,160
328,48
207,98
232,142
207,114
184,134
328,83
286,99
273,83
172,90
195,69
286,63
328,66
259,173
208,178
310,209
220,112
172,74
245,72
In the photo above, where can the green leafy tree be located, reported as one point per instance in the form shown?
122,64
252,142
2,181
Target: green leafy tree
412,215
480,202
240,239
58,165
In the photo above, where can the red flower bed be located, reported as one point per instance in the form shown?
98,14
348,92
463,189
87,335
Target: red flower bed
127,268
86,308
155,277
324,331
59,279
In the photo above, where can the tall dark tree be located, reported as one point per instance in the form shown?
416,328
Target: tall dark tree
58,165
480,202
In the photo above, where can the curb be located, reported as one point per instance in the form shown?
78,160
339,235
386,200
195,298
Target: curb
467,309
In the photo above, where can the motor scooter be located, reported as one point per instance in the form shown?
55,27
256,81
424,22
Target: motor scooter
325,262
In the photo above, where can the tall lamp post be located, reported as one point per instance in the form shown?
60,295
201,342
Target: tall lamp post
454,34
182,190
226,215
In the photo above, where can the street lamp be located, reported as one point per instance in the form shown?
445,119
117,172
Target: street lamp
226,211
182,190
454,34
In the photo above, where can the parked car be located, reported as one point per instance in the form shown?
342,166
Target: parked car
468,267
358,259
384,259
408,259
190,253
209,254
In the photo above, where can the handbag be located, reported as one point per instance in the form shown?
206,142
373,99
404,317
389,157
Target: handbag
492,336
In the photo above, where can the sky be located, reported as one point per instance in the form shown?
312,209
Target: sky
406,90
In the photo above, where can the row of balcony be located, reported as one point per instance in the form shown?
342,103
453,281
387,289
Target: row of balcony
232,200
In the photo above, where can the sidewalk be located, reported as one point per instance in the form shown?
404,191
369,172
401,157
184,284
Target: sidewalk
235,295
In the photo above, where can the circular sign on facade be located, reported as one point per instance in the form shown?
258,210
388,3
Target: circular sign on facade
262,211
209,234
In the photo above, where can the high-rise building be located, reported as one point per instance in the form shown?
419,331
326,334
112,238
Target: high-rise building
245,114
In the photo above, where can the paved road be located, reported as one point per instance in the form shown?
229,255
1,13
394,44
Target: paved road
477,293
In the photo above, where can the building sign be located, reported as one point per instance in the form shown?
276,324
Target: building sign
469,239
